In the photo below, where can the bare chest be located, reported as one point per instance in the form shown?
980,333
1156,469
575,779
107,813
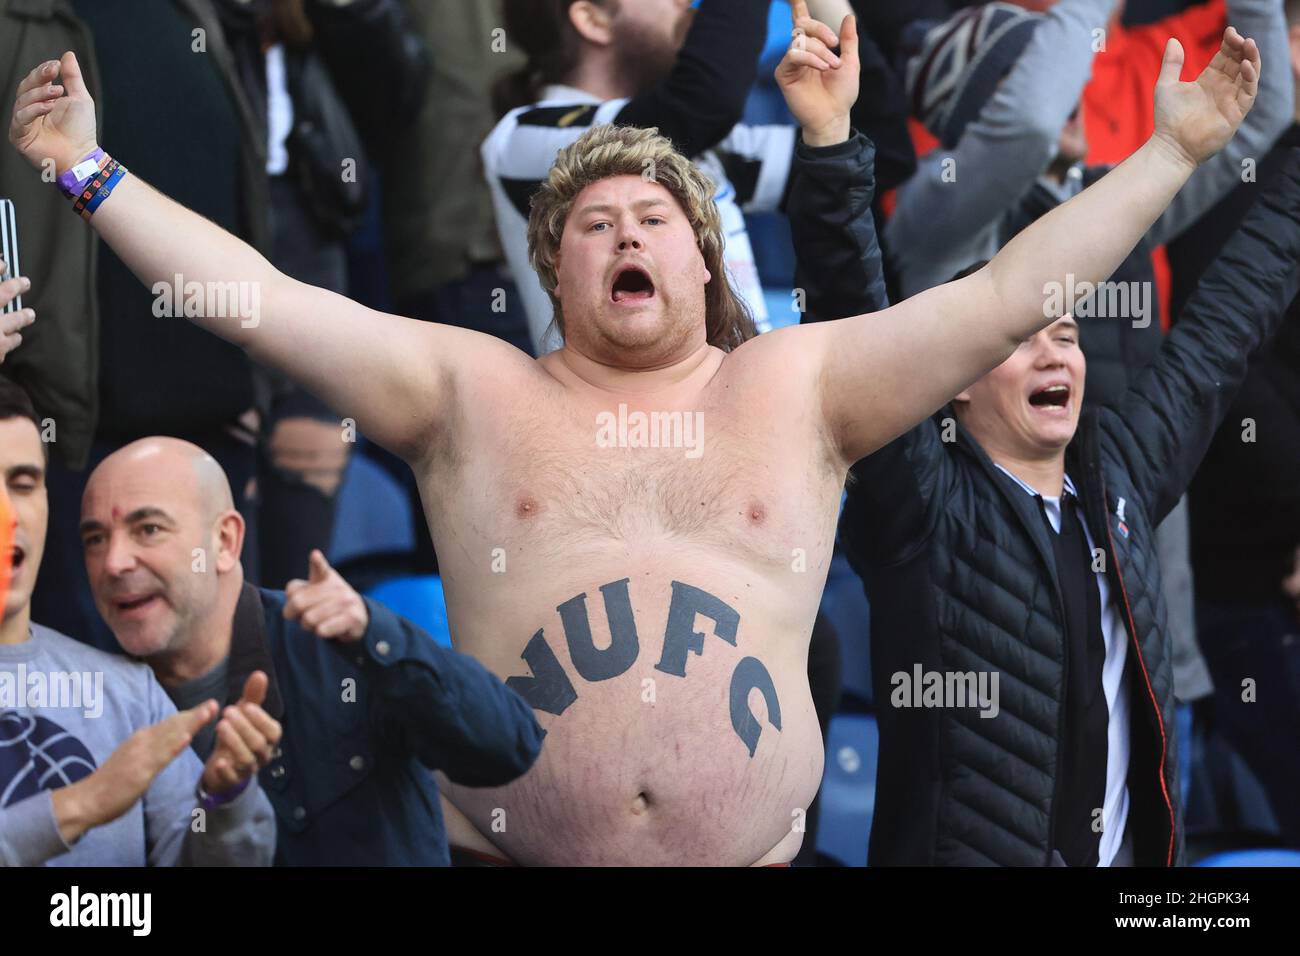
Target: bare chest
569,482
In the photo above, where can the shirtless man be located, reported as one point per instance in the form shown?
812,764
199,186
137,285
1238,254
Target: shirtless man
652,604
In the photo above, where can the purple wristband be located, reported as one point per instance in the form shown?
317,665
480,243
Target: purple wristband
72,181
210,801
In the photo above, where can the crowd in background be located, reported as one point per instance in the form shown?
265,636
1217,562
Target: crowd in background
429,109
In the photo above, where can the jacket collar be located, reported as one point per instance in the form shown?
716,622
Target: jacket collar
249,651
1080,461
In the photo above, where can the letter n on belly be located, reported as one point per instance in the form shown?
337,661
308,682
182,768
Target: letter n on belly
549,689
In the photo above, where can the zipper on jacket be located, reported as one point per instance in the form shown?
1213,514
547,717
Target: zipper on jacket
1137,649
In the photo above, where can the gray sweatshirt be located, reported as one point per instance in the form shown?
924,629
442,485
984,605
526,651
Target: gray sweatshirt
64,707
948,214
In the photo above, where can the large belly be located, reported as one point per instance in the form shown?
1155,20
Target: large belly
679,724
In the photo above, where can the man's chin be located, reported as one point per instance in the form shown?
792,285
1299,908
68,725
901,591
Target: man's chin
15,601
634,329
1056,438
142,639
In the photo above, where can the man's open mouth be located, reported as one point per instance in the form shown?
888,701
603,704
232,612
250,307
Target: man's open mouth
128,604
16,557
632,284
1056,395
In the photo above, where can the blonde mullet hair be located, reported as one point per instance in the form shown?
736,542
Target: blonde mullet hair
607,150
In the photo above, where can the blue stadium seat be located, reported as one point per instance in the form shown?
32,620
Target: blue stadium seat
848,794
1253,858
780,307
420,600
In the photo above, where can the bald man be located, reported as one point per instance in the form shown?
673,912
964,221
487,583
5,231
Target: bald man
369,704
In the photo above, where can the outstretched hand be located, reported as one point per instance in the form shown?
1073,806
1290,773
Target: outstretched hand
1197,119
51,120
325,604
819,87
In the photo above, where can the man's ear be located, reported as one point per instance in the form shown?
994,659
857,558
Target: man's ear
230,541
962,397
592,22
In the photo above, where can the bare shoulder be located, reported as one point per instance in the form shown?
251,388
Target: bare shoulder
781,360
471,377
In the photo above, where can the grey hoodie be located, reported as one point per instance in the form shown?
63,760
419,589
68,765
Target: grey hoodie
49,739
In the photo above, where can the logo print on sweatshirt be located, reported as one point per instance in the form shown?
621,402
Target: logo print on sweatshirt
37,754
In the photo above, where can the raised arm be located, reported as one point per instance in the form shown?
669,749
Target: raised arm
1170,414
881,374
394,376
703,96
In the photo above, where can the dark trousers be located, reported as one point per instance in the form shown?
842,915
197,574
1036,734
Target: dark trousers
1260,643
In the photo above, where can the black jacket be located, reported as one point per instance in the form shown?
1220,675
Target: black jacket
1245,500
961,577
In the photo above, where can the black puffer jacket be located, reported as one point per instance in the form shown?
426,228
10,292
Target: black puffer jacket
959,568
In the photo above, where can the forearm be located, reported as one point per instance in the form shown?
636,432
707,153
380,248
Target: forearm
1081,241
1010,144
704,95
168,247
40,828
837,258
1174,409
449,711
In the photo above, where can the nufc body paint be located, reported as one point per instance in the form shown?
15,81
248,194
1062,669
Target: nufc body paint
550,689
